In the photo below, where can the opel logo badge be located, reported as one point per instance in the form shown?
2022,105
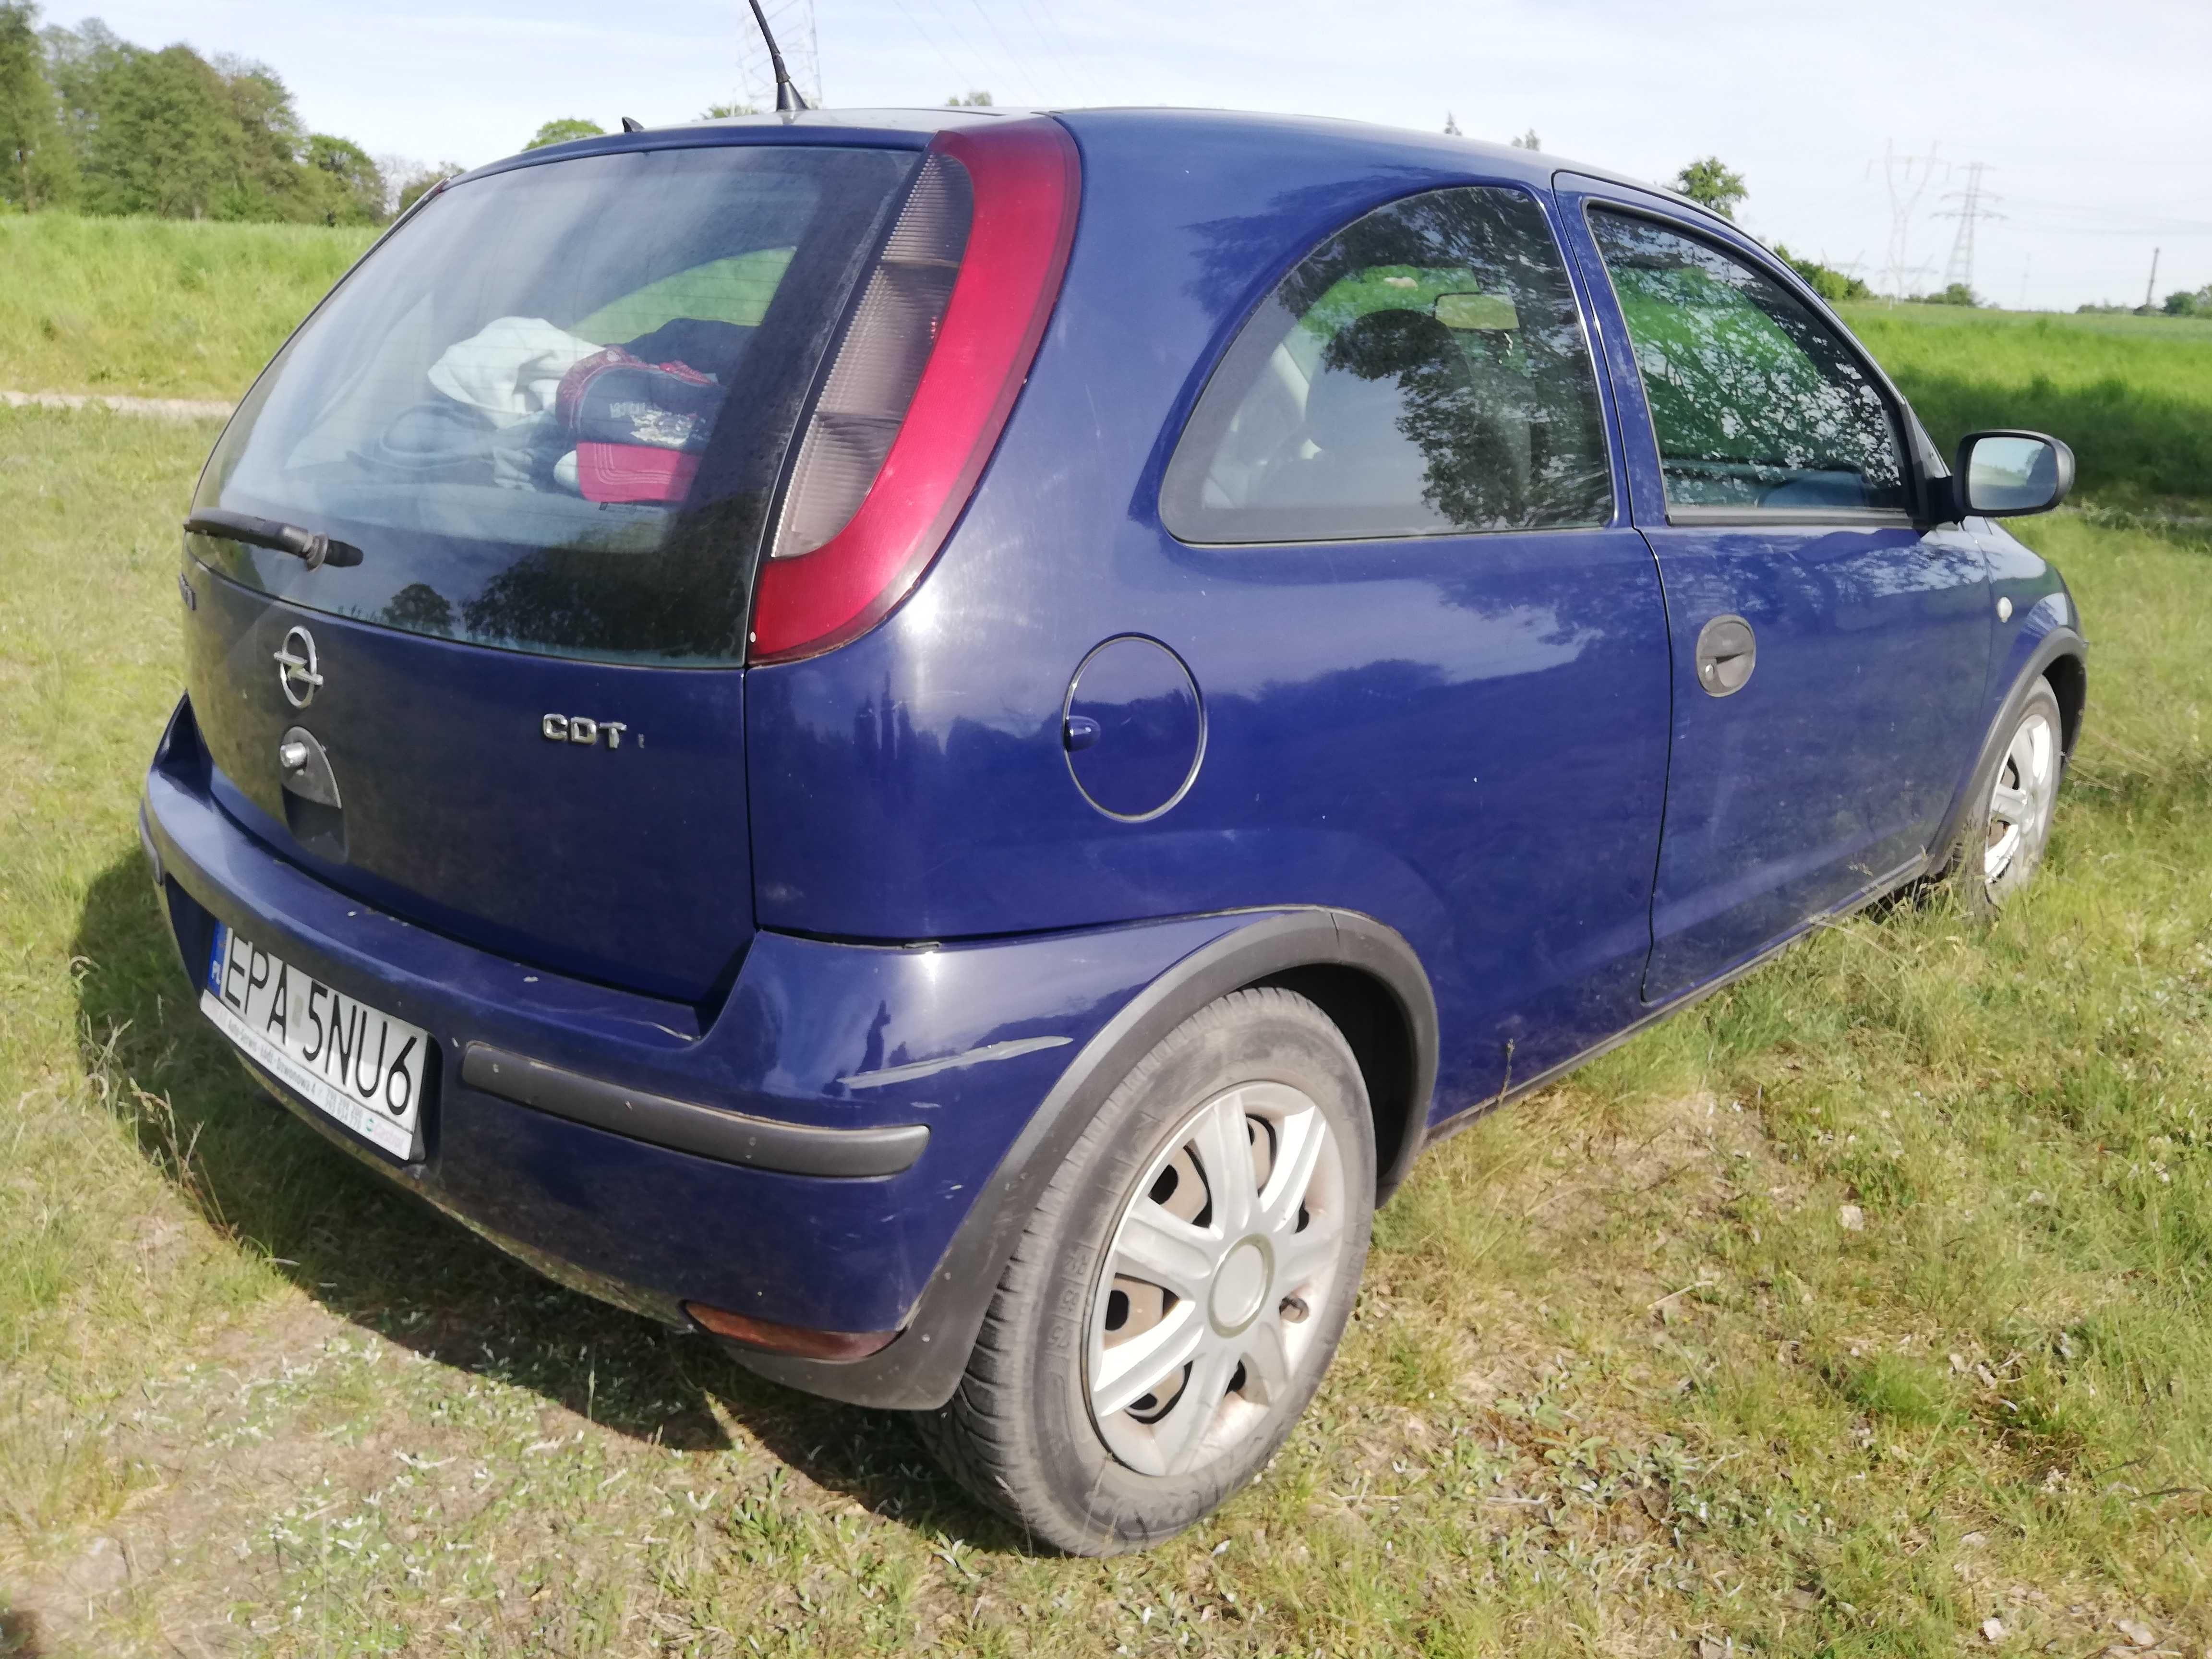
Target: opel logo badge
295,668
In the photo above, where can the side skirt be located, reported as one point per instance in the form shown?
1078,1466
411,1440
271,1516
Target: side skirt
1880,888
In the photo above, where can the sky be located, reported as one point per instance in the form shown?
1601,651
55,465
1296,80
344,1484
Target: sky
2094,125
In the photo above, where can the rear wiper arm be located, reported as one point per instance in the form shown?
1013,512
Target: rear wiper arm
314,549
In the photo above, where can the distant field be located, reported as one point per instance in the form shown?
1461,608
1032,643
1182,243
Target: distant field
156,307
2133,395
153,307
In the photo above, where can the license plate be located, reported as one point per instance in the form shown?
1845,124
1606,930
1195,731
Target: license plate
362,1068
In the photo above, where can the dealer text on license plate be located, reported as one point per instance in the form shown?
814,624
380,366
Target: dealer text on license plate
362,1068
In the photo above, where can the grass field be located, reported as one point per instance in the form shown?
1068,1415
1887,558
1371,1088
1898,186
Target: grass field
2133,395
1864,1309
163,309
156,308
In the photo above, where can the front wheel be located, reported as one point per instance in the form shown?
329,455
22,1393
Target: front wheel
2004,836
1173,1302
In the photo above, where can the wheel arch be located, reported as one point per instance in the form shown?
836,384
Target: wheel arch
1362,973
2060,658
1376,1026
2069,675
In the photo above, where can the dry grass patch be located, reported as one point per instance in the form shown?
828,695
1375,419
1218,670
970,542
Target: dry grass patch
1860,1307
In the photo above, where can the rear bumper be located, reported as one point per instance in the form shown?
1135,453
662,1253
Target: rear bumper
652,1155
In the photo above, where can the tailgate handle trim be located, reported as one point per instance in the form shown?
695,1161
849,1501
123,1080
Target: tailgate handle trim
757,1143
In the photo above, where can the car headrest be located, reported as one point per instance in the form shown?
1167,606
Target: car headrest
1355,401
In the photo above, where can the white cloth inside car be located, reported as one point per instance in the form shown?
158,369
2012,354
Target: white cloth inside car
511,368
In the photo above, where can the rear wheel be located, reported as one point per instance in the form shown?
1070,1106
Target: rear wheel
2003,839
1173,1302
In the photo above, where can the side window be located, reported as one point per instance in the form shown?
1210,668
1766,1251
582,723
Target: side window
1423,372
1754,401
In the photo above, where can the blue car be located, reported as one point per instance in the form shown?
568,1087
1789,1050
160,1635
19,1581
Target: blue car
937,744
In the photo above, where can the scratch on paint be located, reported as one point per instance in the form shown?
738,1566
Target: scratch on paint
949,1062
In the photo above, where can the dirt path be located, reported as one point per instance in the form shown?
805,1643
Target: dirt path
163,409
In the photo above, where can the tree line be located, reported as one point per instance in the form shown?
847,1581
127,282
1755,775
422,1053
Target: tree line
91,122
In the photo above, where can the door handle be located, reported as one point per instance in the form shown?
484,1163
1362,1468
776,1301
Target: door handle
1727,652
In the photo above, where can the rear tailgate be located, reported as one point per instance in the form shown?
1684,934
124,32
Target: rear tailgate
622,860
542,425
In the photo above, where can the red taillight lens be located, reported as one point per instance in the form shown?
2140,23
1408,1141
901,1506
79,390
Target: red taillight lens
906,422
789,1339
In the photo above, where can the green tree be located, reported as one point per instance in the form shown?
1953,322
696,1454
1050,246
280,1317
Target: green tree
37,168
350,186
1528,140
172,133
406,180
160,137
723,111
266,142
2189,302
1709,184
421,182
1825,281
565,131
969,101
1958,294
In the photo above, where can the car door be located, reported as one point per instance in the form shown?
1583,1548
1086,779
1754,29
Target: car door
1829,646
1440,694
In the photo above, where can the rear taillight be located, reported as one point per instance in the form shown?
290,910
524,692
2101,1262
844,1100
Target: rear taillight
924,379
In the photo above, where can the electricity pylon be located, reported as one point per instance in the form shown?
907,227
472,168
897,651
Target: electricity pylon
1972,207
793,23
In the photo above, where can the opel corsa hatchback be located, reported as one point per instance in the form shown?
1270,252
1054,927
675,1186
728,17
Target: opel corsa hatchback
937,744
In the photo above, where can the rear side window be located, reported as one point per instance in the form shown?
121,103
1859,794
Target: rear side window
1754,401
552,410
1423,372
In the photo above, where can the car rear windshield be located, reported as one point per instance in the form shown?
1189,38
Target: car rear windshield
552,410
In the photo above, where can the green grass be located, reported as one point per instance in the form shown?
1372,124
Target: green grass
2132,395
156,307
1621,1381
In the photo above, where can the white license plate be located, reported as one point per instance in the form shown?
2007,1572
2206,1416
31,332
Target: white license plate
360,1067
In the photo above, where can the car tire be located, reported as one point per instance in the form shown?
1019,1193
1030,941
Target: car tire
1059,1422
2007,825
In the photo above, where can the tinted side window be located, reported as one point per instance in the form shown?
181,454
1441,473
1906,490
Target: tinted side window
1422,372
1755,402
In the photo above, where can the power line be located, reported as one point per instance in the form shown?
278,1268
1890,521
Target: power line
967,46
2108,222
1027,78
930,41
1077,70
1906,178
1959,272
793,23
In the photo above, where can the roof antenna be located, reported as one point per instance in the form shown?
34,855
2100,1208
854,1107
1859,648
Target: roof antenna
787,94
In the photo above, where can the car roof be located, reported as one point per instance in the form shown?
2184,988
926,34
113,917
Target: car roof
1384,146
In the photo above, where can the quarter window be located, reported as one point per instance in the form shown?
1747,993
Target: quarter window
1754,401
1423,372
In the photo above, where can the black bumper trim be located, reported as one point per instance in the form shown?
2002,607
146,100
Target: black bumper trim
758,1143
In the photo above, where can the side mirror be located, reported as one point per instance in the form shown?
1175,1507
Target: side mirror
2003,475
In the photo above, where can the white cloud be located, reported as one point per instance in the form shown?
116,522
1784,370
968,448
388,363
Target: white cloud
2094,125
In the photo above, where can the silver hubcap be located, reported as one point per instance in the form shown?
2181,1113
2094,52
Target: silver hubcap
2019,803
1212,1292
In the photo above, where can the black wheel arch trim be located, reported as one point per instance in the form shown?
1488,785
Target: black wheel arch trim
2059,644
759,1143
922,1367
